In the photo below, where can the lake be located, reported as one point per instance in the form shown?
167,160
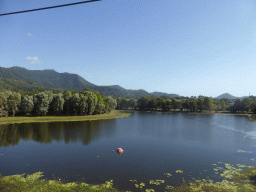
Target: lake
154,143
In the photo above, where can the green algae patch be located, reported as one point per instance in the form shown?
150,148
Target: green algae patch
32,183
140,185
179,171
156,182
242,151
168,174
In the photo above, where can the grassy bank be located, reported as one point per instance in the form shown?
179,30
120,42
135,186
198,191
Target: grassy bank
234,180
113,114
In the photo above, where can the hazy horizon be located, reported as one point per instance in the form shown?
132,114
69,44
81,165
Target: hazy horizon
178,47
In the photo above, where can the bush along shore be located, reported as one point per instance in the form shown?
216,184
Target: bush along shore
192,104
234,180
87,102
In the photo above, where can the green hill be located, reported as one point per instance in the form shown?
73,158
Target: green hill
30,80
226,95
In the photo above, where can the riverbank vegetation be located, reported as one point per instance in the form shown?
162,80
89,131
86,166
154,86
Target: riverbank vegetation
193,104
88,102
42,103
233,180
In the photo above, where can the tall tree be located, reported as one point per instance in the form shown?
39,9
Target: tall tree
185,104
100,97
237,105
3,103
168,105
152,104
27,104
247,104
124,104
142,103
57,103
92,101
118,100
160,103
132,103
14,101
41,103
67,97
208,103
225,103
83,104
176,103
75,102
200,103
111,102
192,104
100,108
254,106
50,95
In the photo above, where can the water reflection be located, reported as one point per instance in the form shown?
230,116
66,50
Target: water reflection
154,144
84,132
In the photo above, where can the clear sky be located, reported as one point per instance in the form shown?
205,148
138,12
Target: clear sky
187,47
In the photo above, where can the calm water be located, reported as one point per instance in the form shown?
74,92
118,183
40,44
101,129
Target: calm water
154,143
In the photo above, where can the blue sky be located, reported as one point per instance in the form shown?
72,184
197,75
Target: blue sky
188,48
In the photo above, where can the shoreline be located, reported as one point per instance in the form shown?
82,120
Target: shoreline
112,115
41,119
196,112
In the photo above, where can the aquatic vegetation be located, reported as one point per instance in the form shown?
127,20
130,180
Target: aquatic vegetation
234,179
168,174
32,183
140,185
169,187
156,182
242,151
239,165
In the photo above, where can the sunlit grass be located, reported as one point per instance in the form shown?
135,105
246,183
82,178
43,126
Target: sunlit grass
12,120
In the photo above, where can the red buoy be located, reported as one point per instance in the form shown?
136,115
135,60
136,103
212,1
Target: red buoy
120,151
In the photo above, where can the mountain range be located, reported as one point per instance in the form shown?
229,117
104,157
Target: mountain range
30,80
26,80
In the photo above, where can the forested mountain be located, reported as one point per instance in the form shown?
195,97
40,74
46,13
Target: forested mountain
12,84
49,79
30,80
226,95
159,94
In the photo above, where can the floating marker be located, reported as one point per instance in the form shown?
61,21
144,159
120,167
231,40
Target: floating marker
120,151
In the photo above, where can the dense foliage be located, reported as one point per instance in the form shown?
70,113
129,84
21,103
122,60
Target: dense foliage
42,102
189,104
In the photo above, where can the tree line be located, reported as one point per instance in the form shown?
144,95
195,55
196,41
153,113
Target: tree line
42,102
189,104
